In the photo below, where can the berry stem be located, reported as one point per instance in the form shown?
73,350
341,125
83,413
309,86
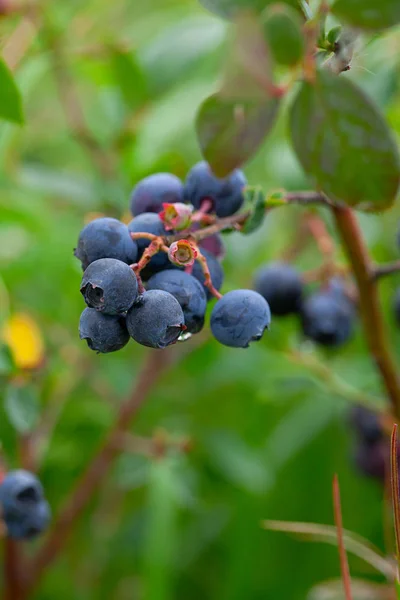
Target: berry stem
207,275
374,328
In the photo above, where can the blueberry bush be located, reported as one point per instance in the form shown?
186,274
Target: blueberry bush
218,179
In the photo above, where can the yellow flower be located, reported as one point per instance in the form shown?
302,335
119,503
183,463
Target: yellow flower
24,338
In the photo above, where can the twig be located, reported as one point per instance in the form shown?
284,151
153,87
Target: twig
344,565
12,571
388,269
155,365
70,101
394,480
371,314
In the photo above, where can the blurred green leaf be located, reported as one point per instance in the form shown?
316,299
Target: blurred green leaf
282,27
6,360
361,590
230,8
230,132
256,198
342,141
240,464
161,530
368,14
21,404
10,98
129,77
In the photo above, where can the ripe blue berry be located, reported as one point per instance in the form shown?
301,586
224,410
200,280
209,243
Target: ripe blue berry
225,194
150,223
366,424
105,238
239,318
156,320
152,192
214,245
103,333
327,319
216,272
25,511
189,293
109,286
372,460
280,284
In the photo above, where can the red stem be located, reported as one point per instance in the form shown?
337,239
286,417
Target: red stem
344,565
90,481
13,584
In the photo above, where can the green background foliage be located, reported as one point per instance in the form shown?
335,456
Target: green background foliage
268,430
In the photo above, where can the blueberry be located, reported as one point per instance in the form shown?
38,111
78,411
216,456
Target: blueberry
109,286
150,194
189,293
214,244
105,238
239,318
156,320
150,223
327,319
216,272
226,195
29,525
367,425
103,333
280,284
372,460
24,508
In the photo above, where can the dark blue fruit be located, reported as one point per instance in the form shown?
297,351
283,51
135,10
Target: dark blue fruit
109,286
226,195
216,272
327,319
156,320
105,238
373,460
189,293
25,511
150,194
213,244
150,223
103,333
239,318
367,425
280,284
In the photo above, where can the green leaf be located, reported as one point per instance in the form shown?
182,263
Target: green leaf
6,360
256,197
228,9
342,141
230,132
10,98
21,404
282,28
368,14
129,77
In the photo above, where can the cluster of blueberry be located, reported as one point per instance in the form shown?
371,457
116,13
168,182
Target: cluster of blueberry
25,511
151,279
327,316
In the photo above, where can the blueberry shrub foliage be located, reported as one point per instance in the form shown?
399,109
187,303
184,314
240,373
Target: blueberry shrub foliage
199,308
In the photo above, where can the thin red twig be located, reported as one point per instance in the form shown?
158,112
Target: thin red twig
394,479
344,565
